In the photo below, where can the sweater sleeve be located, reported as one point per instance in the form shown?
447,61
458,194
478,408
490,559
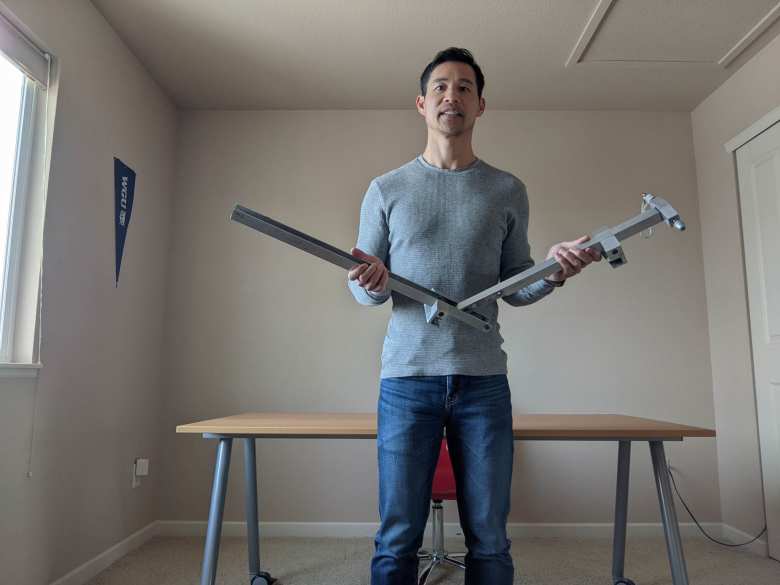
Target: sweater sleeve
374,239
516,253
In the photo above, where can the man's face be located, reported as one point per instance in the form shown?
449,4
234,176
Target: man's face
451,105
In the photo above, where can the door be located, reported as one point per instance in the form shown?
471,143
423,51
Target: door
758,167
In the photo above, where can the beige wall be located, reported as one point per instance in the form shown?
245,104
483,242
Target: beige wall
749,94
254,324
99,400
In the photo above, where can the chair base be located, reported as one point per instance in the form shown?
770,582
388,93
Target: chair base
438,555
446,560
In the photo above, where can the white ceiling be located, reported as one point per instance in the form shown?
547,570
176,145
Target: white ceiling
369,54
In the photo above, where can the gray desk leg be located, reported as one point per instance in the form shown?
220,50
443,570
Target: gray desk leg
214,530
668,515
256,577
621,515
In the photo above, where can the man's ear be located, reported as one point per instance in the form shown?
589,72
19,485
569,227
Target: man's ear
420,103
481,106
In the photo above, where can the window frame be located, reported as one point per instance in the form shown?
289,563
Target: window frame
21,291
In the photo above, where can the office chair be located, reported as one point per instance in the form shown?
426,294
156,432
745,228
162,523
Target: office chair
443,489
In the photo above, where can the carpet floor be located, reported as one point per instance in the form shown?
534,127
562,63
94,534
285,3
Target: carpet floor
345,561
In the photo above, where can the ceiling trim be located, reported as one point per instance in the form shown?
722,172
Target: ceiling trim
603,6
752,35
593,24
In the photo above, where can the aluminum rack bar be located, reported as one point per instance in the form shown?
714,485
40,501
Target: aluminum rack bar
436,305
606,241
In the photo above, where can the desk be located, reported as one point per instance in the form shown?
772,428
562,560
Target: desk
546,427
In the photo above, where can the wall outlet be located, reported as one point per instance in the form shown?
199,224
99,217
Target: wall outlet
140,468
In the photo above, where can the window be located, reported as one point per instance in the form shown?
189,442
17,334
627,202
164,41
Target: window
12,82
15,91
24,80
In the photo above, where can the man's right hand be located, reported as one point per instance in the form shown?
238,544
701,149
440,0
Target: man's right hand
371,276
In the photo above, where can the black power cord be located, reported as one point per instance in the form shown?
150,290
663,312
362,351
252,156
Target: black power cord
699,525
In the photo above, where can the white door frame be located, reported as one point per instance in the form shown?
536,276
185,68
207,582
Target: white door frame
752,131
741,139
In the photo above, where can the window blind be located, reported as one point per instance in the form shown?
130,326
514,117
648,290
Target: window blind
17,46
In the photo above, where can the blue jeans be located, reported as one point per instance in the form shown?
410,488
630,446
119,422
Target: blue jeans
476,412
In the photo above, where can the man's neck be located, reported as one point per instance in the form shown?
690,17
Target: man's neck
449,153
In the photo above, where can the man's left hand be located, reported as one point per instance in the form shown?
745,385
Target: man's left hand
571,258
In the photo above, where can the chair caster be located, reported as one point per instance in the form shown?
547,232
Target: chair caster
624,581
262,578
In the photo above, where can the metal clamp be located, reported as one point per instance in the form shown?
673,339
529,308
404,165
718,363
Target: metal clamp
670,215
611,249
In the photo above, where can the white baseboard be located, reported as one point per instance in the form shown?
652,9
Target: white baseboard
88,570
605,530
451,529
273,529
759,547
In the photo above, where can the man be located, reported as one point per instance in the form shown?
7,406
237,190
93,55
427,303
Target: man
451,222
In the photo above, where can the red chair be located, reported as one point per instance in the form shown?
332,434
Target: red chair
443,489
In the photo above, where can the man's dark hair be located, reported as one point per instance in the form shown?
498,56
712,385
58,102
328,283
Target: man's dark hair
452,54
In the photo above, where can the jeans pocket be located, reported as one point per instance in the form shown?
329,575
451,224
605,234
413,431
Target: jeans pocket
407,417
488,389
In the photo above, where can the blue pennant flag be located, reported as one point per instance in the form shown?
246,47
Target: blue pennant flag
124,188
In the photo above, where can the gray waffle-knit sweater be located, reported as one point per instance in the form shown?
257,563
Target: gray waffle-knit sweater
457,232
